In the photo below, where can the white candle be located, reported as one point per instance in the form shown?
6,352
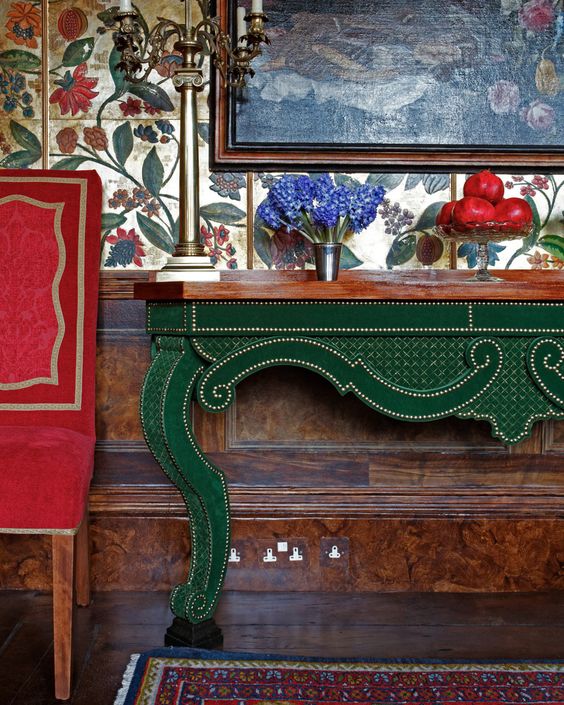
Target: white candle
256,6
125,6
241,25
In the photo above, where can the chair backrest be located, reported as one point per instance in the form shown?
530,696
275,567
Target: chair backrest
50,240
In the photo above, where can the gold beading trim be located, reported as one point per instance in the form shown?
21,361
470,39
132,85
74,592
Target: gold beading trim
40,531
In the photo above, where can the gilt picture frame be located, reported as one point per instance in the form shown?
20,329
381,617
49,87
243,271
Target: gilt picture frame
358,85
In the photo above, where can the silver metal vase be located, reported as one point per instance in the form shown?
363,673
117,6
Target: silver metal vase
327,257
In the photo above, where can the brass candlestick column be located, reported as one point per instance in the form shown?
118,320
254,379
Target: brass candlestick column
140,54
189,260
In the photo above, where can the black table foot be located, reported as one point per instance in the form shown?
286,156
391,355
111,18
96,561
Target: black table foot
204,635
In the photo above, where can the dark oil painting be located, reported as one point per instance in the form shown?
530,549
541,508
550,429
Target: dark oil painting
408,73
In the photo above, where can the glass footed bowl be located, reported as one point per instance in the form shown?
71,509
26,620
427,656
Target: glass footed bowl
482,234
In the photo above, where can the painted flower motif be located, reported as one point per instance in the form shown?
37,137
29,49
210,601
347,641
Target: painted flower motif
395,217
221,234
528,191
540,182
141,195
214,255
130,107
537,15
206,237
538,260
12,83
539,115
17,82
504,97
151,208
75,92
24,24
170,61
122,199
119,198
228,185
67,139
10,104
150,109
290,250
96,138
266,180
557,263
213,240
146,133
509,184
165,126
125,248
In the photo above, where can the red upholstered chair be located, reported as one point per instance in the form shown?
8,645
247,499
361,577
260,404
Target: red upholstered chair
50,240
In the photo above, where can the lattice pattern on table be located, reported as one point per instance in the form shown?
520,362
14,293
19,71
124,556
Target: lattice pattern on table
425,362
416,362
511,399
212,349
404,361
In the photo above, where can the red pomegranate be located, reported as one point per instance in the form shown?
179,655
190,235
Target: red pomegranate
485,185
469,212
514,212
444,216
429,249
72,23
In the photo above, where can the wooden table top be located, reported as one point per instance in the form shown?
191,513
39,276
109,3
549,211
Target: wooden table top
367,285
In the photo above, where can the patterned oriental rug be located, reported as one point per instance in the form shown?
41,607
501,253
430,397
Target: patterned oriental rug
194,677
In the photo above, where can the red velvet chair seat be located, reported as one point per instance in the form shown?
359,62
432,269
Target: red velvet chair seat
46,472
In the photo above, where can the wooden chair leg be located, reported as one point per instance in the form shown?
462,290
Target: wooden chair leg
82,574
63,559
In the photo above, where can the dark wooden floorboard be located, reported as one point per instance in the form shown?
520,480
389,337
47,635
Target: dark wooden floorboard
391,608
409,642
457,626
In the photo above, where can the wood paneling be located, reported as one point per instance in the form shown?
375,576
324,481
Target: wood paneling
554,437
143,553
122,359
305,412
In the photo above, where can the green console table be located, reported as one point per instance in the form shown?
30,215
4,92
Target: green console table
491,351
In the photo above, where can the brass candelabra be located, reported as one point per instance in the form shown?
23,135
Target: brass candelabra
141,52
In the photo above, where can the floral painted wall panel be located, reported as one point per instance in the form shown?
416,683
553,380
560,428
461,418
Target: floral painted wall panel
20,84
544,248
129,133
406,214
425,72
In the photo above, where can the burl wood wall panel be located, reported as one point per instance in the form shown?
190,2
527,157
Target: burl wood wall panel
307,412
439,506
149,553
